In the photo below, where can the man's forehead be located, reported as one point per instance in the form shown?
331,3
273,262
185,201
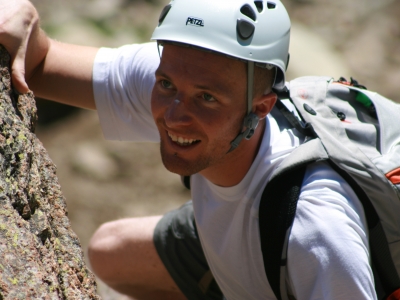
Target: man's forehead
195,55
203,69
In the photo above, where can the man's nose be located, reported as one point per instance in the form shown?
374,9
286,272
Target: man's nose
177,114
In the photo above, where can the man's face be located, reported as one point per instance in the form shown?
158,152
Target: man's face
198,103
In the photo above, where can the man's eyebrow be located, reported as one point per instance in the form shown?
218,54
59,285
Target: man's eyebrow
203,87
159,72
217,90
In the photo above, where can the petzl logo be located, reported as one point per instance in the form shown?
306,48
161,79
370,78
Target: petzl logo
195,22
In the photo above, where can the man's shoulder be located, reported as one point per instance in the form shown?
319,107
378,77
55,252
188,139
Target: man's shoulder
139,55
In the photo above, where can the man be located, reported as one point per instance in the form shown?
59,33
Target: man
209,105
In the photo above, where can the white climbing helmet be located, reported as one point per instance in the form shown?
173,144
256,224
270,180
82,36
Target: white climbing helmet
252,30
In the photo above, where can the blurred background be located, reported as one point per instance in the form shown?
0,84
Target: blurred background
104,180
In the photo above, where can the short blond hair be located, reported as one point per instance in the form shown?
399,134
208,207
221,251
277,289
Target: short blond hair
263,81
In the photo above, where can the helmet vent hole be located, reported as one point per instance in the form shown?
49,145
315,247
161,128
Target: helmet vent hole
248,12
164,14
259,4
271,5
245,29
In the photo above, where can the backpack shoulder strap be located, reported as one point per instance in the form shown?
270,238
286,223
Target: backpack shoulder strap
276,214
278,208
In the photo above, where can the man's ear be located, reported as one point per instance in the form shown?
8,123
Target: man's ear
263,104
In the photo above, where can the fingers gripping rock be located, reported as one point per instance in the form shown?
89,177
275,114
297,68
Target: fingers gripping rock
18,21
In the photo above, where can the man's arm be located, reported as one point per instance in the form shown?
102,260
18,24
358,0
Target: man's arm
328,255
54,70
65,75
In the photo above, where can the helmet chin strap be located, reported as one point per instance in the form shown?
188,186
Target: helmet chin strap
251,120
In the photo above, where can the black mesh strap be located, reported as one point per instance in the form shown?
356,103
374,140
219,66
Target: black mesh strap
276,214
305,129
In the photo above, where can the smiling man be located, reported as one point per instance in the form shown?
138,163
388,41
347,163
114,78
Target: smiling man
205,91
199,111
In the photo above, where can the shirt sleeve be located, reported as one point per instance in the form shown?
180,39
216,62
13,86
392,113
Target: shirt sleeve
328,256
123,79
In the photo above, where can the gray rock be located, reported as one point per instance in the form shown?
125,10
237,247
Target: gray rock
41,257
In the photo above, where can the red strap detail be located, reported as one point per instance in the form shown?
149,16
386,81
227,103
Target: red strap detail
394,176
395,295
344,83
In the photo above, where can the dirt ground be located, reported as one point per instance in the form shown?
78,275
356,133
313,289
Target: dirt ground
104,180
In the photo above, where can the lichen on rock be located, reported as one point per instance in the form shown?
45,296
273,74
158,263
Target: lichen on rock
40,255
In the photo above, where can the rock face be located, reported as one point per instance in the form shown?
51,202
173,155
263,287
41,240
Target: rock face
40,255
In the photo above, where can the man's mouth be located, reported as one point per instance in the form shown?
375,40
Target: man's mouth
181,141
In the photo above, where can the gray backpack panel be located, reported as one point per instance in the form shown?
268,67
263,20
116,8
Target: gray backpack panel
358,131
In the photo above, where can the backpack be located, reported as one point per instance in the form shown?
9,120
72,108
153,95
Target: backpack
358,133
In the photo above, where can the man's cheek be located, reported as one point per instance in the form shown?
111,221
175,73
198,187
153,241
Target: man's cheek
155,106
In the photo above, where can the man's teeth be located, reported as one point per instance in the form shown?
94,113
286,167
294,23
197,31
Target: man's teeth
180,140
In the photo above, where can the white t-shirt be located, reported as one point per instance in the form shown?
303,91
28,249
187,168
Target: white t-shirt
328,256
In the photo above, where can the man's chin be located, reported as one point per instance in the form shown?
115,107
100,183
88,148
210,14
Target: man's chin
180,166
180,169
179,172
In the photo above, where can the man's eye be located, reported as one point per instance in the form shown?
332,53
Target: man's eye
208,97
166,84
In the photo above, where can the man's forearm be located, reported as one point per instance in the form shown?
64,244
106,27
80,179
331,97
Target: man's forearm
65,75
53,70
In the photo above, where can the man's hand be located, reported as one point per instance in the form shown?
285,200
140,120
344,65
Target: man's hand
54,70
20,34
